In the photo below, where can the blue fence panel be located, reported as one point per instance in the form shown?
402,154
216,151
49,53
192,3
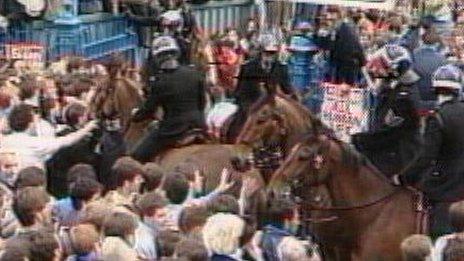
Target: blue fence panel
215,17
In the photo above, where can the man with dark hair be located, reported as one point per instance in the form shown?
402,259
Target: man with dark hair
83,152
81,170
191,249
153,175
167,241
176,187
119,229
31,206
224,204
178,191
192,219
31,177
45,246
32,150
69,211
126,178
279,224
152,209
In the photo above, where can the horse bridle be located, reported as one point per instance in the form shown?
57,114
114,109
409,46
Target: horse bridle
299,184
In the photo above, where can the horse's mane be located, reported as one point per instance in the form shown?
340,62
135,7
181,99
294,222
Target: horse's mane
297,109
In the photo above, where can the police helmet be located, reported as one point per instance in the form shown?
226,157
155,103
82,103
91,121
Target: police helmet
269,43
165,45
392,60
448,78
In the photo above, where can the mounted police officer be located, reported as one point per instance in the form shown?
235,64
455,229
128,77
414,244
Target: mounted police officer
264,69
180,91
394,132
178,21
439,168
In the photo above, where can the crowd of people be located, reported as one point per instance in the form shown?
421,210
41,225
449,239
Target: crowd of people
58,201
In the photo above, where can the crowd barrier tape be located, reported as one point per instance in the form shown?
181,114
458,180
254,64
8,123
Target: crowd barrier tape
345,109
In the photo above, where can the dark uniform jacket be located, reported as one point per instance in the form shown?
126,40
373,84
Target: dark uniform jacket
181,95
439,169
252,74
391,146
145,17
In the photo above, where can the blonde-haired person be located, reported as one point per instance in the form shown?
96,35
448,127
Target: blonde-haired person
222,235
416,248
292,249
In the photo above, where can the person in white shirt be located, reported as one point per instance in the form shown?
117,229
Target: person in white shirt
32,150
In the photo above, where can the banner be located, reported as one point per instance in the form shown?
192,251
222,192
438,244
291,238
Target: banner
34,54
345,110
366,4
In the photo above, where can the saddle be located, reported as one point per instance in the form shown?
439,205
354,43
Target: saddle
193,136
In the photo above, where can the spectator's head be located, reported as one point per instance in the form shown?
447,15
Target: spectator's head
83,191
31,206
121,225
84,238
191,249
292,249
16,249
81,170
20,118
454,252
193,219
416,248
456,212
153,176
28,89
280,212
45,246
75,114
96,213
152,206
128,175
176,187
31,177
224,203
167,241
222,233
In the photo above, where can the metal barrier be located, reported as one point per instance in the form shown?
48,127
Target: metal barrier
94,38
216,16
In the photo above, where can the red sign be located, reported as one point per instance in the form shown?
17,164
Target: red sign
26,52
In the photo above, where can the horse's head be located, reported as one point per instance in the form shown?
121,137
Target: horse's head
116,99
275,119
265,122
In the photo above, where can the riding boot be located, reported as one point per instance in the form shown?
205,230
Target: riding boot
150,145
439,220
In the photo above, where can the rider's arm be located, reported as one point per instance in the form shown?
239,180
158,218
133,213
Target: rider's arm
149,107
429,153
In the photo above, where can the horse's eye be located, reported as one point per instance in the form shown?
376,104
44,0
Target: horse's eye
262,117
304,154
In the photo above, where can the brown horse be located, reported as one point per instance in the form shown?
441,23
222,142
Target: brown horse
122,96
276,118
352,209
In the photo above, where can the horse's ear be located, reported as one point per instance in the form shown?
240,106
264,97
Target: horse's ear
318,128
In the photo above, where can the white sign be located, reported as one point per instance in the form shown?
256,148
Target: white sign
366,4
26,52
344,110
